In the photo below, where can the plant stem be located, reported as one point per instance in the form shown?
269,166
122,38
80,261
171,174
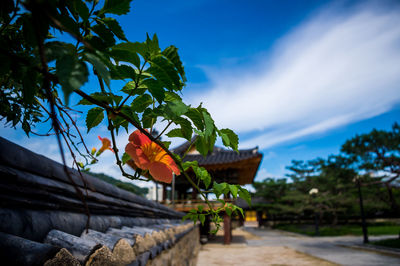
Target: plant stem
119,163
142,130
55,122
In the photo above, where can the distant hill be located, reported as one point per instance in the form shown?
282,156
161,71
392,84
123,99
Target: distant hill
140,191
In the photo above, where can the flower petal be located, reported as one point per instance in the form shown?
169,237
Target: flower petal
174,167
171,164
139,138
160,172
137,155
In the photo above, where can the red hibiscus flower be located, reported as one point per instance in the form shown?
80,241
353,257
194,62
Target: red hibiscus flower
148,155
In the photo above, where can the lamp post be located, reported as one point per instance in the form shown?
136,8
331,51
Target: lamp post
313,193
363,221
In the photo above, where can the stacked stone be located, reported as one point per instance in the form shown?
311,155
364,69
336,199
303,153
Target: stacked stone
157,244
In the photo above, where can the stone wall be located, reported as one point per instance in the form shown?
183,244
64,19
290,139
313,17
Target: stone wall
42,220
184,252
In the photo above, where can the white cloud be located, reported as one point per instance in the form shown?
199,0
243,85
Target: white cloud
333,70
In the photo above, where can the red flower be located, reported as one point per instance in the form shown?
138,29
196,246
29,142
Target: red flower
106,145
148,155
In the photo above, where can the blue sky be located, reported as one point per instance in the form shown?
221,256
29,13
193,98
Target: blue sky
296,78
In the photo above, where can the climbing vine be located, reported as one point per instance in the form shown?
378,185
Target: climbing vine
50,48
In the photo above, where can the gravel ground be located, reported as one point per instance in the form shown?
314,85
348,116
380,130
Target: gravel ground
239,253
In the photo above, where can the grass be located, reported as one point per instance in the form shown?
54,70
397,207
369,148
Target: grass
340,230
390,243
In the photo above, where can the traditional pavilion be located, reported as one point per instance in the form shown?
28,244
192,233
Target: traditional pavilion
223,165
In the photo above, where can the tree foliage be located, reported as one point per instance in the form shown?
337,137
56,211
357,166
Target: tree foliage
372,157
141,191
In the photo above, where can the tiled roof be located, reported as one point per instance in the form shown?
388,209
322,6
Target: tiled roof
218,155
222,156
42,220
241,166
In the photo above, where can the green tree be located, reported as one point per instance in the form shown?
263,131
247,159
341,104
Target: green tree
377,154
141,191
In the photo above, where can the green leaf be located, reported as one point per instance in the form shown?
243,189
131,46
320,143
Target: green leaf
175,109
125,158
202,174
155,88
121,55
26,127
114,26
228,210
100,67
202,218
120,122
240,209
172,96
104,33
148,118
175,133
201,146
82,9
85,102
29,85
207,180
96,42
200,208
117,99
188,164
133,47
163,70
171,53
94,117
209,123
167,143
186,127
218,189
129,88
225,140
123,72
229,138
245,194
196,117
194,218
117,7
68,24
56,50
211,141
127,110
152,44
234,190
140,103
99,96
71,73
187,216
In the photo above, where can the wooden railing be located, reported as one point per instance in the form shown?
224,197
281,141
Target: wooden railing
186,205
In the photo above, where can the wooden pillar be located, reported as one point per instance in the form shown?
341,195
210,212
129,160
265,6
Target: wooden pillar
194,194
227,229
179,196
164,193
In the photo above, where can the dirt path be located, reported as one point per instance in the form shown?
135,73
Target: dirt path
239,253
